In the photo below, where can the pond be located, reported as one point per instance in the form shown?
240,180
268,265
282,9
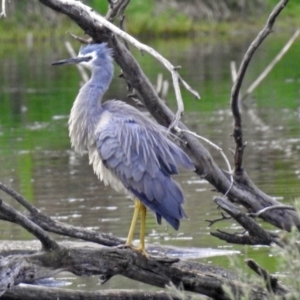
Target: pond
37,161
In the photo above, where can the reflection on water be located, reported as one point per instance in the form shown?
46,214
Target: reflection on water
36,158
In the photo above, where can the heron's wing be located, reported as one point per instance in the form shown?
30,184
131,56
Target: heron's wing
143,159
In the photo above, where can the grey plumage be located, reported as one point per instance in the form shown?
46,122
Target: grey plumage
127,150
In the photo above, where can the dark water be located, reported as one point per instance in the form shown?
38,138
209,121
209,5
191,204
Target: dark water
37,161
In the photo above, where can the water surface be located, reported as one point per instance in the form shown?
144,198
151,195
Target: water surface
36,158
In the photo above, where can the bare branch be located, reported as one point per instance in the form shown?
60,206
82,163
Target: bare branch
14,216
79,39
44,293
179,130
272,282
80,68
255,235
116,9
212,222
262,211
3,11
268,69
234,101
233,70
18,197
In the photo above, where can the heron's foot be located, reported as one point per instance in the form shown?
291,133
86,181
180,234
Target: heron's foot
142,251
138,249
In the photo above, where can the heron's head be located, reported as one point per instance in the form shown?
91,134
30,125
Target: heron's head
91,56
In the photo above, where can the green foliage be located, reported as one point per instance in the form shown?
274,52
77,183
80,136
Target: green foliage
100,6
142,18
289,260
288,266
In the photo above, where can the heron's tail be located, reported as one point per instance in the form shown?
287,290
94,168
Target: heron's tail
167,200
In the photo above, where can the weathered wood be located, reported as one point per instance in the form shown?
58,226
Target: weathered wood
108,262
16,217
272,282
254,235
48,293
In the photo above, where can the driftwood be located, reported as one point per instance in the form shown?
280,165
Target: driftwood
85,259
108,260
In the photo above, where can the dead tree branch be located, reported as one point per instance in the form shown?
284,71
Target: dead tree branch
272,64
86,260
255,234
38,293
116,9
234,101
3,11
108,262
19,198
271,281
16,217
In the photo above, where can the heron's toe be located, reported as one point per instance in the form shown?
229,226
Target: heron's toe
142,251
139,249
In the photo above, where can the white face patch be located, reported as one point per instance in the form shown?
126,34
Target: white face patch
88,64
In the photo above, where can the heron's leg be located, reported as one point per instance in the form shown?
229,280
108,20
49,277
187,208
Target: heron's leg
143,211
137,207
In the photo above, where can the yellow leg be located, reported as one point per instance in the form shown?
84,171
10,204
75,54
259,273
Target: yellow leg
143,211
137,207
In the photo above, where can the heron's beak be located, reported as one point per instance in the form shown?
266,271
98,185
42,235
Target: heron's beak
74,60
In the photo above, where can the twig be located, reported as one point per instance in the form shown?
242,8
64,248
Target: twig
116,8
80,68
3,11
162,86
267,70
47,242
142,47
79,39
233,70
234,101
18,197
179,130
272,282
256,234
262,211
212,222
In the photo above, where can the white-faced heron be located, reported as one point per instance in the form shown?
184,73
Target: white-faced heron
127,150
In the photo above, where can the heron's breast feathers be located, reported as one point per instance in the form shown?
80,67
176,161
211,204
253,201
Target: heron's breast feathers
103,173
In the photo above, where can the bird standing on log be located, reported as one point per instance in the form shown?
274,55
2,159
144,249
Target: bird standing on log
127,150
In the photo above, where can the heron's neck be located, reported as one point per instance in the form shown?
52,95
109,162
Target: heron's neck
87,109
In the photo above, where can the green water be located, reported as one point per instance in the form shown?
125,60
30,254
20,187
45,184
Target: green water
37,161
